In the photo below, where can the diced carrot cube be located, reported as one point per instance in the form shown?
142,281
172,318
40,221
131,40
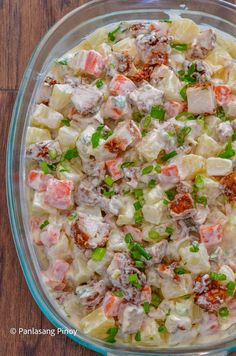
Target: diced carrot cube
95,63
211,235
121,85
223,94
38,180
170,171
111,305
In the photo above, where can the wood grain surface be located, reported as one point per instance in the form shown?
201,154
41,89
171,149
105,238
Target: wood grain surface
22,24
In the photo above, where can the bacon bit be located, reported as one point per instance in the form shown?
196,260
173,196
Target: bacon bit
181,203
209,294
201,85
167,270
81,238
116,145
170,171
229,184
136,27
50,81
45,102
146,72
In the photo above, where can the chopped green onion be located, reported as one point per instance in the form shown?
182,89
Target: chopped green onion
127,164
157,112
201,200
139,264
98,253
66,122
118,293
223,312
188,76
52,152
142,251
195,247
70,154
231,288
162,329
182,134
158,168
138,193
152,183
109,193
133,279
169,230
137,336
179,46
234,136
106,134
217,276
228,151
180,270
99,83
220,113
128,238
147,170
155,299
171,193
44,224
154,235
169,155
112,34
137,205
165,202
146,307
185,115
72,217
183,92
147,121
199,182
96,136
165,20
62,61
108,180
44,167
111,335
137,116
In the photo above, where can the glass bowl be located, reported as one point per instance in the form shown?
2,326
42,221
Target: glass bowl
64,35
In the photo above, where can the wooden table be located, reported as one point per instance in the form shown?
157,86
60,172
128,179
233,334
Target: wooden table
22,24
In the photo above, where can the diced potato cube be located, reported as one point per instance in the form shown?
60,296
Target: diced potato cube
201,100
35,134
192,165
44,115
67,137
153,213
183,30
127,45
170,289
79,272
207,146
38,205
216,166
154,195
61,250
60,97
127,211
116,242
230,108
149,333
195,262
150,147
96,323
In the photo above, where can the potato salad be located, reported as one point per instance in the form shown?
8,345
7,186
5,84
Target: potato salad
131,181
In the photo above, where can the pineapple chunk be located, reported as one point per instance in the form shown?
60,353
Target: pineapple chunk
79,272
228,44
96,323
207,146
171,290
67,137
195,262
192,165
216,59
44,115
35,134
154,213
149,333
60,97
127,45
183,31
216,166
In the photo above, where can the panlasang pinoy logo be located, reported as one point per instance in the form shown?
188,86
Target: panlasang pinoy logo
36,331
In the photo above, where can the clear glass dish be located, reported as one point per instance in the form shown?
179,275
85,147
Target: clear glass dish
63,36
